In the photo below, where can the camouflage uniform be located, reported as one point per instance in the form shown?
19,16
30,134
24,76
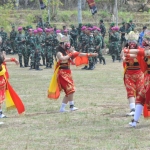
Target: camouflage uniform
41,46
22,50
98,45
13,35
83,42
90,49
4,39
115,41
74,35
123,31
31,46
49,50
103,29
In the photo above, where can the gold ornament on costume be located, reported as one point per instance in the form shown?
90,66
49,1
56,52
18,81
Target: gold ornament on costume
132,36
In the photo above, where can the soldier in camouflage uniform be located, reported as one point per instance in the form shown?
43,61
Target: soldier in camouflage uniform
49,48
123,31
32,42
40,24
41,44
4,38
103,29
110,46
115,41
98,46
132,25
90,48
21,45
31,45
74,35
13,35
79,28
83,41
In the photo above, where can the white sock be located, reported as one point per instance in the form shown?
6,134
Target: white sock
132,106
63,105
138,112
71,102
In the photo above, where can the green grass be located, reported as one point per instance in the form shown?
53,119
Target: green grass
99,124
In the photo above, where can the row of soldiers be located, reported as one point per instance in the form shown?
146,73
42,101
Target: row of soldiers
42,42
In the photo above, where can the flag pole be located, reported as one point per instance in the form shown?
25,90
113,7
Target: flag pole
79,12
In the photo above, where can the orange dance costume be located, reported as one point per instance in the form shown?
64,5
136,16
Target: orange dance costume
8,93
133,77
62,77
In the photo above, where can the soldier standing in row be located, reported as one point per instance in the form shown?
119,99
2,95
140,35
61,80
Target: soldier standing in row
48,48
123,32
74,35
103,29
115,41
41,44
3,34
21,45
98,46
13,35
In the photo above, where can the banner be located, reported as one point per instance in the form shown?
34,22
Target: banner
92,6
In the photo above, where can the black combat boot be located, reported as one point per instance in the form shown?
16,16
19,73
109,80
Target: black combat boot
85,67
38,68
104,62
21,66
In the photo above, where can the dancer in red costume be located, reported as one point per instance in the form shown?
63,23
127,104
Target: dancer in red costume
6,90
133,75
143,97
65,56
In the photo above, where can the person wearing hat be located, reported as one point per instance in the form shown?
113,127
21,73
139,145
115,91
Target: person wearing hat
74,35
40,24
109,32
132,25
13,35
3,34
128,28
63,76
123,31
98,46
31,45
21,46
143,96
115,41
49,48
102,27
79,28
133,75
90,48
41,44
83,41
140,40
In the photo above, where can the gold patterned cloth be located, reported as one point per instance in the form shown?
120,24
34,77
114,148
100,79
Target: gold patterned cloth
65,81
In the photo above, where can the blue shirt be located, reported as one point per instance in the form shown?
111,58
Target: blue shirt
141,38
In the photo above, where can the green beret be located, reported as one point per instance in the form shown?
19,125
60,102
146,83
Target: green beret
112,24
101,20
130,21
123,22
13,26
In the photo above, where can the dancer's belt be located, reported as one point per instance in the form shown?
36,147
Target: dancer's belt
64,66
133,68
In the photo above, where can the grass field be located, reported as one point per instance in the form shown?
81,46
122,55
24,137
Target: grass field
99,124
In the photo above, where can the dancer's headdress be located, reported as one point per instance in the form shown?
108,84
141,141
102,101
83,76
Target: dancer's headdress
62,38
132,36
